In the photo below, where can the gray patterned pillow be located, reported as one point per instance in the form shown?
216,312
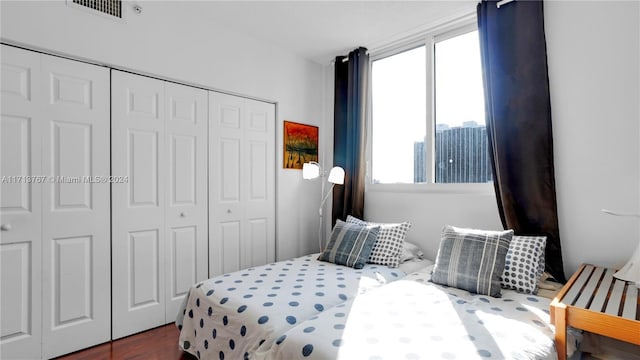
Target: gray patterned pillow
524,264
471,260
350,244
388,246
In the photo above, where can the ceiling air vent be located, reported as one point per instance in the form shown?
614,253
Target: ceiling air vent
108,7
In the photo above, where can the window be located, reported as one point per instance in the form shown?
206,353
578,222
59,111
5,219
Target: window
398,91
427,119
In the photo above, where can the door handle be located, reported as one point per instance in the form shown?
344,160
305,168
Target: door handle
5,227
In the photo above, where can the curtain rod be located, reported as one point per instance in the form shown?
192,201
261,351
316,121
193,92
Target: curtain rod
503,2
346,57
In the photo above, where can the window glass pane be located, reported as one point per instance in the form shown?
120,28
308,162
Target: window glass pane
461,152
398,86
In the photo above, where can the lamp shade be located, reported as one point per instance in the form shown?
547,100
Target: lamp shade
631,270
310,170
336,175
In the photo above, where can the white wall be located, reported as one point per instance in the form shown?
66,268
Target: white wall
593,54
429,212
594,57
594,77
171,41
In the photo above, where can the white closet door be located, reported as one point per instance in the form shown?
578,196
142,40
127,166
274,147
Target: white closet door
259,183
76,241
225,208
242,183
21,128
138,231
186,201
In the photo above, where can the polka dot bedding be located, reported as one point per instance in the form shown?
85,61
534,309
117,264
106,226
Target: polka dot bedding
230,316
413,318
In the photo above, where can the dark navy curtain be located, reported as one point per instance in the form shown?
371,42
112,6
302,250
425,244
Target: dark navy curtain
518,114
351,82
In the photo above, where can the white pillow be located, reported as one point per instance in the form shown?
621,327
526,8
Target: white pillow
410,251
388,246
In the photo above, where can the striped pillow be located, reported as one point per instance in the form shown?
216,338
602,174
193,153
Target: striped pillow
350,244
388,246
472,260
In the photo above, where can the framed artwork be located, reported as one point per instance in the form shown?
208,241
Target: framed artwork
300,144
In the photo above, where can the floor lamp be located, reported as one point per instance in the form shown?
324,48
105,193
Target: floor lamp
631,270
312,170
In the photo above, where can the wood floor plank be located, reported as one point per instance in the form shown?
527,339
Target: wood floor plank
159,344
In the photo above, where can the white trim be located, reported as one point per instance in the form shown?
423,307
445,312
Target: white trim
417,35
430,111
67,56
453,188
408,46
457,31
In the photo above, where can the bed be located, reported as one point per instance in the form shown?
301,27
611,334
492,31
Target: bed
230,316
414,318
475,302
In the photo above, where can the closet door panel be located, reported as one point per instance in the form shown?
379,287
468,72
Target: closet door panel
242,179
143,170
225,174
184,250
259,187
144,254
186,203
76,206
230,255
71,165
20,205
72,262
138,228
257,252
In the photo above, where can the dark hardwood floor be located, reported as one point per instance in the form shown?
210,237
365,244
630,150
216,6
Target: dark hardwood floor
157,344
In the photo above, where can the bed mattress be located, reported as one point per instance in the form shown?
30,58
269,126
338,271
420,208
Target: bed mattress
230,316
415,319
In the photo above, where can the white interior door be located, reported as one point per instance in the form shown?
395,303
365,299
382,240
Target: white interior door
138,230
241,183
186,201
76,216
21,128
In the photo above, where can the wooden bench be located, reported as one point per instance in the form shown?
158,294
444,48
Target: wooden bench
593,300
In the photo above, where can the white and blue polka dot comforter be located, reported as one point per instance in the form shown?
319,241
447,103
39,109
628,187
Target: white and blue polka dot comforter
230,316
413,318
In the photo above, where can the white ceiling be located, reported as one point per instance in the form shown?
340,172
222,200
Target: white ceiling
320,30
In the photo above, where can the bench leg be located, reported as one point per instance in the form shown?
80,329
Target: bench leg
560,320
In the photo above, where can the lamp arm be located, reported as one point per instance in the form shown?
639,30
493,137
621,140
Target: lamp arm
324,199
631,270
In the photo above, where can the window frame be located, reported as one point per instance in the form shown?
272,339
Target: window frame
428,39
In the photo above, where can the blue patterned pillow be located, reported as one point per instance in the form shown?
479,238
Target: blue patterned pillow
524,264
350,244
471,260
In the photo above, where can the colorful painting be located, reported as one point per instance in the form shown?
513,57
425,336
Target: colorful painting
300,144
